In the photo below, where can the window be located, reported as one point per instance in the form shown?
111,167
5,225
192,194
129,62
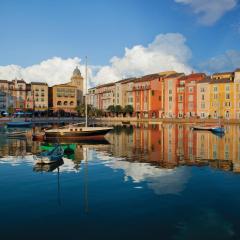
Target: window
202,89
59,103
227,88
180,98
190,89
203,97
227,95
170,99
160,98
190,98
215,89
170,91
152,92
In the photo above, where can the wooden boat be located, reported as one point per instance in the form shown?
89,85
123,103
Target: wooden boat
38,136
19,134
19,124
77,133
48,157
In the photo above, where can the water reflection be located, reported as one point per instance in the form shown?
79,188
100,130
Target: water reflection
166,146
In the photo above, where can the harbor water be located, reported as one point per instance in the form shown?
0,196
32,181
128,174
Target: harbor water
162,181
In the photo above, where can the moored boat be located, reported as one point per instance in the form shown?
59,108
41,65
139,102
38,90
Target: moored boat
48,157
125,122
77,133
19,124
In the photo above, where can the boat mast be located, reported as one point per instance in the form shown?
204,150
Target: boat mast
86,111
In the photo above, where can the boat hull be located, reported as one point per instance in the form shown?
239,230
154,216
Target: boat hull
19,124
91,135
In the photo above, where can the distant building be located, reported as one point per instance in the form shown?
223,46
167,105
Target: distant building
77,81
40,96
63,97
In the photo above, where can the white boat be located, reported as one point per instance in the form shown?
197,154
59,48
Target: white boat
48,157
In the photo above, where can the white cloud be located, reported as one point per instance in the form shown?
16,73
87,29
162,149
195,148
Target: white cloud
228,61
166,52
53,71
209,11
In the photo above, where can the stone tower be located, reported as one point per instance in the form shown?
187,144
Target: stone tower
77,81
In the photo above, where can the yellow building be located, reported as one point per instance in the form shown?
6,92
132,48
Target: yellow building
40,96
222,98
63,97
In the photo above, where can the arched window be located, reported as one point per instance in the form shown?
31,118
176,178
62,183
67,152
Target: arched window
59,103
65,103
71,103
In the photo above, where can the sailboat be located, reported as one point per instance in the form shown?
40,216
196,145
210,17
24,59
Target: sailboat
77,131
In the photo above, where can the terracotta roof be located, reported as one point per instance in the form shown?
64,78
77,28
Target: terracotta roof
215,74
39,83
3,81
126,80
175,75
222,80
21,81
205,80
63,85
106,85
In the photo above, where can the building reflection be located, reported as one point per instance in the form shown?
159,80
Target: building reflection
172,145
164,145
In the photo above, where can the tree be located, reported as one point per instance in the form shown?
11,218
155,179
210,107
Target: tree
111,109
128,110
81,110
118,109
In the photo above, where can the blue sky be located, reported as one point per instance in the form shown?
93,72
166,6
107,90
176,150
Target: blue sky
35,31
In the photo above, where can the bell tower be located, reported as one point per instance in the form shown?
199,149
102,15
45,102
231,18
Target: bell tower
77,81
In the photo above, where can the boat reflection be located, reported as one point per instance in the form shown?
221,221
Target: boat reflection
47,167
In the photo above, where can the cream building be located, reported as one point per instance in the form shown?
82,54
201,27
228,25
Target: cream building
40,96
203,98
77,81
63,97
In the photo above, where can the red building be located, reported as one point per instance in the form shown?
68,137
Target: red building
186,95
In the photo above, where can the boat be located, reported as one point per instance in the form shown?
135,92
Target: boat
19,124
48,157
47,167
218,129
125,122
78,131
38,136
212,128
18,134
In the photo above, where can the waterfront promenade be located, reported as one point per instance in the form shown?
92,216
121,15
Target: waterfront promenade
108,120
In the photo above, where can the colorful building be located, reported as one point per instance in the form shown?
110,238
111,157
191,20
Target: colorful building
203,98
222,98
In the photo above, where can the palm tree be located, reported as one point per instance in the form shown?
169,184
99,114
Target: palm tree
118,109
128,109
111,109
